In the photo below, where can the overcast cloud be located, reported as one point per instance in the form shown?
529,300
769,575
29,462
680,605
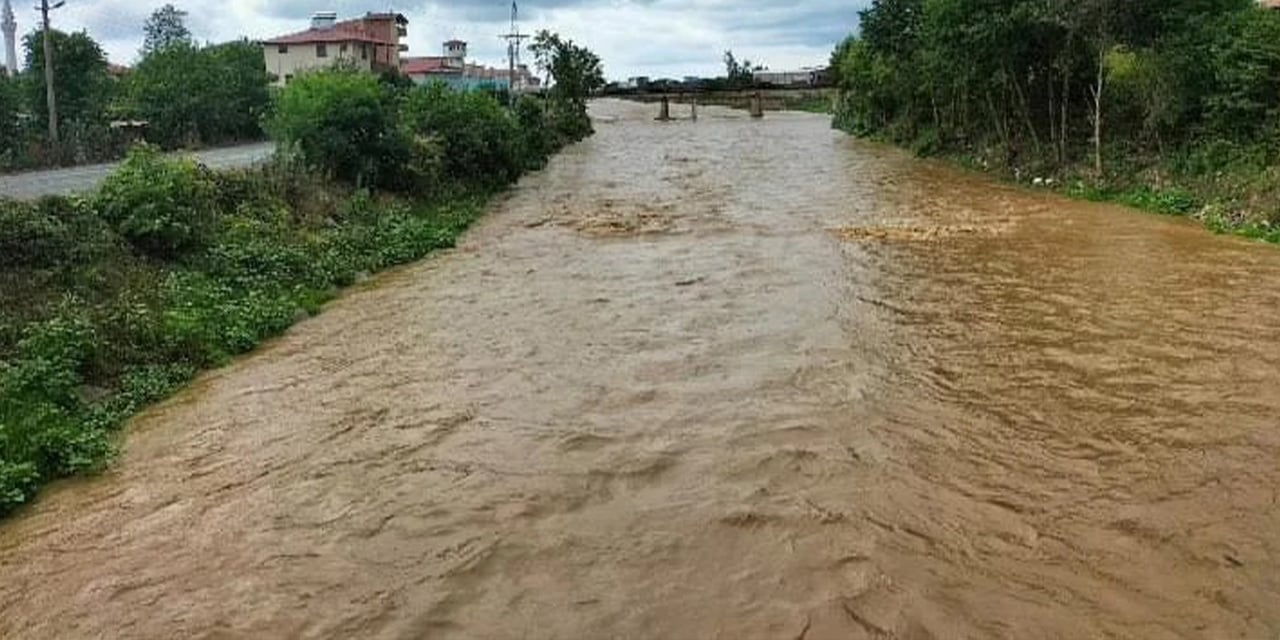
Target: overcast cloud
660,38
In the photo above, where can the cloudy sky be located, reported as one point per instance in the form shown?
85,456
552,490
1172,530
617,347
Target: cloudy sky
660,38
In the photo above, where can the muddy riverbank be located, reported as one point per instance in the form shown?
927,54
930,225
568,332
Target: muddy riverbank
724,379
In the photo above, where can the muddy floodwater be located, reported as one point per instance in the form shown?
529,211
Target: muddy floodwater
727,379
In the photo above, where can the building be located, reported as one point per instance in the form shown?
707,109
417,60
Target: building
453,70
9,25
371,43
639,83
1270,4
805,77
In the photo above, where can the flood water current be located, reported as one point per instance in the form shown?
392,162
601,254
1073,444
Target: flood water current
718,379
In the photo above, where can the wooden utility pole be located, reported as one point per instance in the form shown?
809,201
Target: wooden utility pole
49,93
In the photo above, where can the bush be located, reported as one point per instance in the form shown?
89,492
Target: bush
537,138
164,207
344,124
40,436
479,138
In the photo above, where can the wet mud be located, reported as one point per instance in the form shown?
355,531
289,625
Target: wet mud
725,379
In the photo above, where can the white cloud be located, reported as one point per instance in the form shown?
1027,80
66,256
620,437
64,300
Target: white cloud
660,38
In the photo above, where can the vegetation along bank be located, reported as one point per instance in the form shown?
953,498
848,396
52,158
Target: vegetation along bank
1167,105
112,301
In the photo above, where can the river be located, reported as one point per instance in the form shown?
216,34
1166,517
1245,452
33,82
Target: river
726,379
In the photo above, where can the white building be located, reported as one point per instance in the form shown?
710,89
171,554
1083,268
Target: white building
804,77
371,43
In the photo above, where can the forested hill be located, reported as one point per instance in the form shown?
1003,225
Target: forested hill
1130,93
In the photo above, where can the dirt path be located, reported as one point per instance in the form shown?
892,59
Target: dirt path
731,379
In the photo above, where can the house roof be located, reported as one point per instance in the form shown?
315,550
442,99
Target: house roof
345,31
453,42
430,64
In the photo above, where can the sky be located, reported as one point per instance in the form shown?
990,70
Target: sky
657,38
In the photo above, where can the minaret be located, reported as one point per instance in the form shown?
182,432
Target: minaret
10,27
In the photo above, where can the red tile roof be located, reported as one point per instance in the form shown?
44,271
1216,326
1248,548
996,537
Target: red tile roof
347,31
412,66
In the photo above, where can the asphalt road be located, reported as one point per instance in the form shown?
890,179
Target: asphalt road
26,186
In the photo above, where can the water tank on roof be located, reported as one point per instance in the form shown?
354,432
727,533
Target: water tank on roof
324,19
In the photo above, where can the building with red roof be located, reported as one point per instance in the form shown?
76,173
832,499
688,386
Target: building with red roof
370,43
452,69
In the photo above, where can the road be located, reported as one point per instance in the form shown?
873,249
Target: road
727,379
73,180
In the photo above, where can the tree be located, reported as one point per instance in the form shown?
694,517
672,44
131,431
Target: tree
576,74
477,135
575,71
81,82
343,123
242,88
165,28
991,77
1247,75
10,131
739,74
200,95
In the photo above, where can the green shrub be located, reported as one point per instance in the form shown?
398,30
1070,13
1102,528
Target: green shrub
49,233
163,206
40,436
344,124
538,138
479,138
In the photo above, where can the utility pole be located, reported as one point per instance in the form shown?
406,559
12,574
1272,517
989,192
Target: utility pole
514,38
49,93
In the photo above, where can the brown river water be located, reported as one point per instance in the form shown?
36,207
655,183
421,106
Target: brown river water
725,379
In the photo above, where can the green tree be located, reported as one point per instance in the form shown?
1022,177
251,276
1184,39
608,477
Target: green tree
242,88
165,28
200,95
738,74
81,81
10,129
1247,74
479,138
344,124
576,73
171,88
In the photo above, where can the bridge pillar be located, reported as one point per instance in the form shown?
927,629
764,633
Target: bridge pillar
664,111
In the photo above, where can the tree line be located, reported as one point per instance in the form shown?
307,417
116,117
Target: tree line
1108,86
189,94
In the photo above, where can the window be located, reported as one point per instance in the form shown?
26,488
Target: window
322,50
342,50
364,54
288,77
284,48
